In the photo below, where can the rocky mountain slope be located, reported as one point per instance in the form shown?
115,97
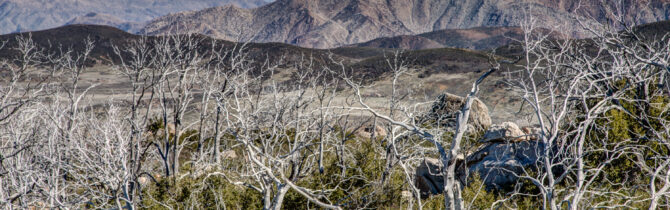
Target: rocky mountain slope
30,15
332,23
107,20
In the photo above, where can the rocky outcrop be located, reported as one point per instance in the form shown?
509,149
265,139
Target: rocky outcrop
429,178
333,23
506,152
446,108
532,133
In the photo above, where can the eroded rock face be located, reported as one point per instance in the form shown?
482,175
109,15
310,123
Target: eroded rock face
446,108
506,151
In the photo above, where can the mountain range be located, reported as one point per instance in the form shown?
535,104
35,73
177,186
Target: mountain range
408,24
31,15
333,23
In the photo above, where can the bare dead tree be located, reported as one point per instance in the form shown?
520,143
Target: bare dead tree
277,125
21,81
136,63
21,84
177,61
573,87
231,65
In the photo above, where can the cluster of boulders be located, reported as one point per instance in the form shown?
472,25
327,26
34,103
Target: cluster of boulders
505,152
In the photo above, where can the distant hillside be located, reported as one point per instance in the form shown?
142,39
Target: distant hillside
476,38
31,15
330,23
73,37
652,30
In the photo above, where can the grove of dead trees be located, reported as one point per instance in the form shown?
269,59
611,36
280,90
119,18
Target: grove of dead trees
601,106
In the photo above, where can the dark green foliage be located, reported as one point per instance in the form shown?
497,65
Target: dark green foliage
205,192
355,186
475,196
154,125
629,127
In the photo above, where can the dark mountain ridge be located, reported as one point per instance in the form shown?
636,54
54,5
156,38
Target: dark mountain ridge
368,62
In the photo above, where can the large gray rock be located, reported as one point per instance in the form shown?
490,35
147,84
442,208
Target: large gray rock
446,108
499,163
429,177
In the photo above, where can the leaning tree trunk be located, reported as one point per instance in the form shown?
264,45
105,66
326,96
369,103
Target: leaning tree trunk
452,198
